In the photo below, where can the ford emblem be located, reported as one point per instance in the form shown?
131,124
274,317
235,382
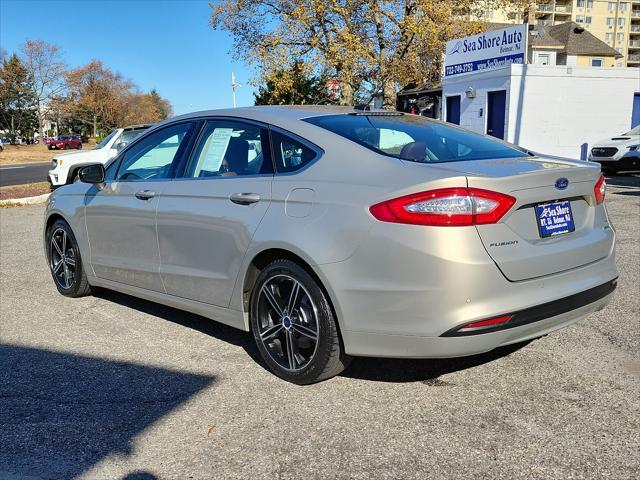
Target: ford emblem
562,183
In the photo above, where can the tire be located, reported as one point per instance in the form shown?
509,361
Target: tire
275,327
70,279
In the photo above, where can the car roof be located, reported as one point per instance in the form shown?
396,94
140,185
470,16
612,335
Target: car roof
272,113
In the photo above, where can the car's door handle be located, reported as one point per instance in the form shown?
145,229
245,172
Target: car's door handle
145,194
244,198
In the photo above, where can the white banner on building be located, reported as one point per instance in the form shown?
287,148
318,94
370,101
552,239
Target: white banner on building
486,51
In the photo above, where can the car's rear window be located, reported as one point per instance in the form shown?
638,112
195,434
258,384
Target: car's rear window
415,138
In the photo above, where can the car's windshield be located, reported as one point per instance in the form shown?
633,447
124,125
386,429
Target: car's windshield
128,135
634,131
106,140
415,138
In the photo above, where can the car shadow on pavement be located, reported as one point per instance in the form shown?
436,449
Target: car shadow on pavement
190,320
629,180
378,369
422,370
62,413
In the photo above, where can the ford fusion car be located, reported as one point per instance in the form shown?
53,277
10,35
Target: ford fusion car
330,232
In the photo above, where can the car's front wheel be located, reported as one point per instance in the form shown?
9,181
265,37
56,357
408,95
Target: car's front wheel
65,261
294,326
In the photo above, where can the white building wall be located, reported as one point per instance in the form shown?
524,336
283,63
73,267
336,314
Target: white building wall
554,110
551,109
473,111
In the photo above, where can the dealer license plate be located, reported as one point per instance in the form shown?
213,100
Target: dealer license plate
554,218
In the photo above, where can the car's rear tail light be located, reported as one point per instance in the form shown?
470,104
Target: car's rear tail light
600,190
484,324
445,207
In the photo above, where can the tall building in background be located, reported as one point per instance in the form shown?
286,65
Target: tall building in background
616,22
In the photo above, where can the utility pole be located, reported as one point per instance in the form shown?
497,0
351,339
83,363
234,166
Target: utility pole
234,85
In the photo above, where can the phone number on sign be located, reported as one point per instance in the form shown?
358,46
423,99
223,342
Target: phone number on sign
460,68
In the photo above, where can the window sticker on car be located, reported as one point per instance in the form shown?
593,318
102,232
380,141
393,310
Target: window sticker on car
215,149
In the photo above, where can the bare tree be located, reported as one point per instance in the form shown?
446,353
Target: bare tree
46,68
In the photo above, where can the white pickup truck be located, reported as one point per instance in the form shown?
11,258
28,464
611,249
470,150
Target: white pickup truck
64,166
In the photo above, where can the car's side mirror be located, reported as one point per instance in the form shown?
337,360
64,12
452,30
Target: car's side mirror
120,145
93,173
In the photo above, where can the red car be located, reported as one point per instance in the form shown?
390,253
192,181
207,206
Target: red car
64,143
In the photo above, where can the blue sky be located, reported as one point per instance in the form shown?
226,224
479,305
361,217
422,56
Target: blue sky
168,45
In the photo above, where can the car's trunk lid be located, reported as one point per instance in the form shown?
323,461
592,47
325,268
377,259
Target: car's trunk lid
515,243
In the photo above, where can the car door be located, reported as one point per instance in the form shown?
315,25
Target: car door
206,219
121,216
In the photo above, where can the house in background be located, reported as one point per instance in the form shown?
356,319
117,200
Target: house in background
616,22
569,44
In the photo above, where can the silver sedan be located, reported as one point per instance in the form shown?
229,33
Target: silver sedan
330,232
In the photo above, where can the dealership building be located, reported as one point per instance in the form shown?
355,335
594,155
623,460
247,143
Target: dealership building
548,90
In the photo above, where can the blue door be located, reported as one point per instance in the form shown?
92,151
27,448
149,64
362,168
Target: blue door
496,103
635,114
453,109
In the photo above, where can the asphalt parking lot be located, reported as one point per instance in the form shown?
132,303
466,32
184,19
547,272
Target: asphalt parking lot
111,387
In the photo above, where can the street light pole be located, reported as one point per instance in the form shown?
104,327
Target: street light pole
234,85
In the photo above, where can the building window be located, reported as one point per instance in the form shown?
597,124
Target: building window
596,62
608,37
610,21
620,37
580,3
622,6
621,22
587,20
579,18
543,59
589,3
612,6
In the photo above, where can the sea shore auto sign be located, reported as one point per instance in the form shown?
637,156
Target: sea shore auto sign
486,51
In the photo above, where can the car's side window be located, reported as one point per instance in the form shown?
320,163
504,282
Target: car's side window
290,154
230,149
151,158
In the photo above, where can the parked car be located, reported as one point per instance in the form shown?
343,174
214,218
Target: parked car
329,233
64,143
618,153
64,167
1,145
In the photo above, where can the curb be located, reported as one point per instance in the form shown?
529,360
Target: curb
25,201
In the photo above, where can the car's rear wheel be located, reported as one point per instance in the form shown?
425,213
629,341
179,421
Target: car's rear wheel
294,326
65,261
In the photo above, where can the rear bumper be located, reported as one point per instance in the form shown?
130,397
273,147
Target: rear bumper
393,297
411,346
540,312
